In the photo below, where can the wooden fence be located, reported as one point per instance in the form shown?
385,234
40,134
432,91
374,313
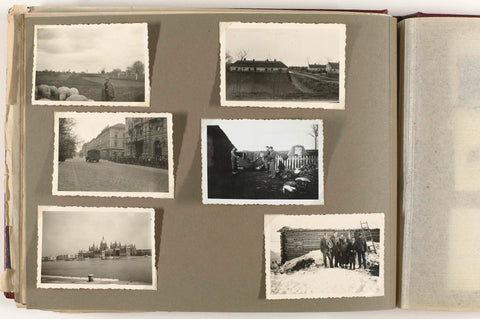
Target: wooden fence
296,161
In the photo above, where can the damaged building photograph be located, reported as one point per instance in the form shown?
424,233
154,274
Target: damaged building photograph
262,161
323,256
125,154
280,65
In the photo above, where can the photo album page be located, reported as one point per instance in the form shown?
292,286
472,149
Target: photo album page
223,160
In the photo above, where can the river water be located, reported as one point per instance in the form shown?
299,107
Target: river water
133,269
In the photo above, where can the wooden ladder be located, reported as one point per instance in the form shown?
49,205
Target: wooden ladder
367,234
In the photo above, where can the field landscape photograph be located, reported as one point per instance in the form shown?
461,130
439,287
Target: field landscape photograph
269,64
88,65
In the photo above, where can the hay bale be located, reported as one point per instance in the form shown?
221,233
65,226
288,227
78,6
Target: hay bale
74,91
77,97
53,92
43,91
63,93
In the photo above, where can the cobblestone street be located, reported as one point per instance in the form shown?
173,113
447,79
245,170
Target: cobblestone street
78,175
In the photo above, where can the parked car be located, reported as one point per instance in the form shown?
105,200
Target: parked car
93,156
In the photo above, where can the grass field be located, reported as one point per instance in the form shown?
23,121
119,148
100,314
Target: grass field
280,86
90,85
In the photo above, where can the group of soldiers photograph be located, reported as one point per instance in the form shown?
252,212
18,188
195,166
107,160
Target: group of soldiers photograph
343,251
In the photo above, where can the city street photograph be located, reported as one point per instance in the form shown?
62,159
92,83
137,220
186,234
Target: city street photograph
277,162
86,64
96,247
113,154
324,256
283,64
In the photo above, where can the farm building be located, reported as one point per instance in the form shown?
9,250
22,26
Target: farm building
258,66
317,68
296,242
219,148
333,67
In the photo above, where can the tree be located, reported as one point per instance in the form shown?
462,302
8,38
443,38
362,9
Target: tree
67,140
314,134
116,72
242,54
138,68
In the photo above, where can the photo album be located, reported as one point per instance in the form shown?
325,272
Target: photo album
241,160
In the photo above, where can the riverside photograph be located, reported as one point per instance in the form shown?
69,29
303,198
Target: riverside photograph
94,247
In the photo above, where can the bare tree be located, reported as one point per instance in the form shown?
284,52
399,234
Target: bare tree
314,134
242,54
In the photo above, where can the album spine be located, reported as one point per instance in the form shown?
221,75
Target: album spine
10,279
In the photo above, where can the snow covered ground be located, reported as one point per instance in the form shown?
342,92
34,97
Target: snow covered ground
315,281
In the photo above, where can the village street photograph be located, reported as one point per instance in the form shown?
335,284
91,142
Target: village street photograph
282,64
96,247
86,64
113,154
262,162
324,256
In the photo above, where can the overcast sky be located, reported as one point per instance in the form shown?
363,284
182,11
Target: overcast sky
339,221
69,232
254,135
90,48
293,45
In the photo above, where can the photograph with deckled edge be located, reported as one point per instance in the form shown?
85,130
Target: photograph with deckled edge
96,248
274,162
85,64
113,154
324,256
298,65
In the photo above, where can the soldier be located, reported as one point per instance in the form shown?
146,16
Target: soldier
361,248
336,248
351,253
234,159
326,249
271,162
108,92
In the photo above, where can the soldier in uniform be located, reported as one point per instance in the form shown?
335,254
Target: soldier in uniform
326,246
336,248
361,248
351,253
108,92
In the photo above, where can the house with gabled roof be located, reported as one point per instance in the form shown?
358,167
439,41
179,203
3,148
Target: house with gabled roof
333,67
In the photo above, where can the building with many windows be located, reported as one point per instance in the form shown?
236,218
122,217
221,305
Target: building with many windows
146,138
110,142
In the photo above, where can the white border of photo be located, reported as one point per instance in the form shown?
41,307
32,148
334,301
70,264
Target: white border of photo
145,103
171,178
301,103
233,201
97,210
331,222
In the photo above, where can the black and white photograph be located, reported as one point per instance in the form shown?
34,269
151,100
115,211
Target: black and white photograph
96,248
113,154
91,64
324,256
300,65
276,162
